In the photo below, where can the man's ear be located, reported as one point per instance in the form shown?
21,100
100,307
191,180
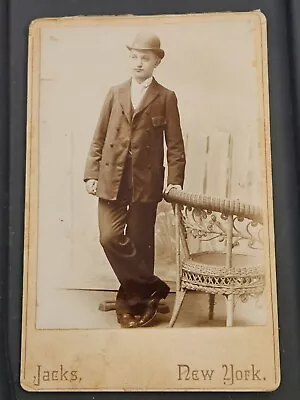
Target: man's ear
158,60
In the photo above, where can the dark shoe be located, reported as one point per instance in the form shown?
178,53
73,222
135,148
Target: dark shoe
127,321
150,313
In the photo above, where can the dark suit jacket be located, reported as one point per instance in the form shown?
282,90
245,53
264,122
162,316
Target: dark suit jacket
156,118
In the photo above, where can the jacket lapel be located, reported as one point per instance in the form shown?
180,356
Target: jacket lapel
151,93
125,99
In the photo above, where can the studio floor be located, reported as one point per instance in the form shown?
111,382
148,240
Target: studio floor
79,309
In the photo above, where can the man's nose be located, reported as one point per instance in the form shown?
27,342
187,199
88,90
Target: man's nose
139,63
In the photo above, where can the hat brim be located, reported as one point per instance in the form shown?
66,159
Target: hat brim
159,52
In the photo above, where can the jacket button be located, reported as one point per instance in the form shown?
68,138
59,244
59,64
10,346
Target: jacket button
148,129
107,164
147,147
111,145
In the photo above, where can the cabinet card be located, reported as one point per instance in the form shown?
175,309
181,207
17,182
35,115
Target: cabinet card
148,143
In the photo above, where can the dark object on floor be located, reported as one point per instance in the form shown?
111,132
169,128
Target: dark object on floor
110,305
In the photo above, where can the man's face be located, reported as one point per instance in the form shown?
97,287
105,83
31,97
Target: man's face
143,63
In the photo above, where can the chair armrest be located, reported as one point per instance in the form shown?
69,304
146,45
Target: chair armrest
224,206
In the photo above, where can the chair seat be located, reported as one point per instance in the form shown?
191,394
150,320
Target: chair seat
207,272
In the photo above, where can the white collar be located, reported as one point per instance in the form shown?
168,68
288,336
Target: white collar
146,83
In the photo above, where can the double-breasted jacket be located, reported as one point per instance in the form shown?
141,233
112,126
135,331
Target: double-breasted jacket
142,133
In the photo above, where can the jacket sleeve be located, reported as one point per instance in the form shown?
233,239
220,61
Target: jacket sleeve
174,141
95,150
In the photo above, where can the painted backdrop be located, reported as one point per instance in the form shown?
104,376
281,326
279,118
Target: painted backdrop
212,66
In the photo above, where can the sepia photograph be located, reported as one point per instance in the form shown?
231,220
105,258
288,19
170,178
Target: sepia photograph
148,215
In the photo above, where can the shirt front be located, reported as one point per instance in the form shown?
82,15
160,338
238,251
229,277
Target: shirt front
138,91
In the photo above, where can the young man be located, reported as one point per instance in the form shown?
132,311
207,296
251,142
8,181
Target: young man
124,168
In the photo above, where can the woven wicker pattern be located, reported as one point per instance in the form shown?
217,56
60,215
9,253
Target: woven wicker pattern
224,206
224,222
199,274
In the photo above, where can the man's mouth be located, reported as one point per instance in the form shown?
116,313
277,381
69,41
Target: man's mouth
139,70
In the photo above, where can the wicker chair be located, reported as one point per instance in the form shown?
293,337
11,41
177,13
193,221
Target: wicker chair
223,225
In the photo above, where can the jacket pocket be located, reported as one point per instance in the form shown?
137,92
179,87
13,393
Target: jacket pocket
158,121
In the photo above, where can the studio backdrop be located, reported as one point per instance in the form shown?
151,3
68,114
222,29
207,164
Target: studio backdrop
214,68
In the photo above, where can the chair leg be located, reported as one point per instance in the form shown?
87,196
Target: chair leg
179,296
211,304
229,306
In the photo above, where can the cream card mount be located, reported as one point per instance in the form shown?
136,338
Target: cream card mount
214,247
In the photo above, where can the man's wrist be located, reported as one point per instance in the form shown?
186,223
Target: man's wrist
171,186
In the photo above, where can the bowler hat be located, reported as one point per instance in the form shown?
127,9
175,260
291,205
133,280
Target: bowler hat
147,41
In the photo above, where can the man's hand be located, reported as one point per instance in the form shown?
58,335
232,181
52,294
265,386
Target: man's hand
169,187
91,186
